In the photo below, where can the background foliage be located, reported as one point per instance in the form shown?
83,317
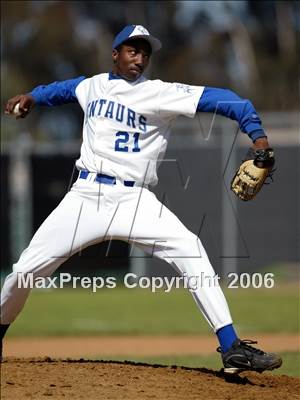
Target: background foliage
250,46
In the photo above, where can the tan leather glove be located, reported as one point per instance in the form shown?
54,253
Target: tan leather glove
253,173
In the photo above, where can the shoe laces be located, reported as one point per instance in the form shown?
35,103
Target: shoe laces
246,344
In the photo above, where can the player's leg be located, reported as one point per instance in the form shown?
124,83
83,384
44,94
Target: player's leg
147,223
75,224
158,231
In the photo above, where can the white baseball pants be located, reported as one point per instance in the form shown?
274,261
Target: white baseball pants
91,213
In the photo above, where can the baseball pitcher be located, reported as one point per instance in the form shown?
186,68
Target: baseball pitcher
126,126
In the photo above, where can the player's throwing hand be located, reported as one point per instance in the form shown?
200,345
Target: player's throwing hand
20,105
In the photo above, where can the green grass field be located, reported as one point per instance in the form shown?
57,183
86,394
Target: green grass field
125,312
138,311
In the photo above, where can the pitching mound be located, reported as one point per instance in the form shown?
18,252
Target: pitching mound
85,379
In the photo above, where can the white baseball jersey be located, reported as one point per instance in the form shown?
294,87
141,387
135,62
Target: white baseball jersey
125,134
127,124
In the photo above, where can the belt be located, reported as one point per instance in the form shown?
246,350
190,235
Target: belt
102,178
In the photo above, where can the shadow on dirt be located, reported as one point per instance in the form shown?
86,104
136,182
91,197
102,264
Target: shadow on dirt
229,378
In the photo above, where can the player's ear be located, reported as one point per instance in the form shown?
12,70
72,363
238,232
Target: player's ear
115,55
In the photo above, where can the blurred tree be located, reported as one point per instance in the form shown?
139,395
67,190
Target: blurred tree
249,46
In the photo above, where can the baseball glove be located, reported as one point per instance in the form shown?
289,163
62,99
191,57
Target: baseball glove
252,173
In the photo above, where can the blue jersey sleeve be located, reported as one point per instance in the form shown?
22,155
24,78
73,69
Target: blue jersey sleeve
227,103
56,93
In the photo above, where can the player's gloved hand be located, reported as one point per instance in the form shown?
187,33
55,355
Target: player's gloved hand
253,172
26,103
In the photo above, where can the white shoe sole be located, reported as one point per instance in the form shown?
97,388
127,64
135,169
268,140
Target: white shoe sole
233,370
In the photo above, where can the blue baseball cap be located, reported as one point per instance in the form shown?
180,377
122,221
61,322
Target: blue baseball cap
136,32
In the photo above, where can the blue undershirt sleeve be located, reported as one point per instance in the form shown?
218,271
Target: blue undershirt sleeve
229,104
56,93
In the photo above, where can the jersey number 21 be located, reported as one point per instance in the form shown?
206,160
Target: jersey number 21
123,139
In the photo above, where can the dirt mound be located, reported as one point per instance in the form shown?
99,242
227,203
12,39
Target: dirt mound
86,379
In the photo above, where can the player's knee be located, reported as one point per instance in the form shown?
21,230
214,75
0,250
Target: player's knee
189,245
42,267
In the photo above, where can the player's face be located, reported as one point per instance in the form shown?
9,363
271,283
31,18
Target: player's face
131,59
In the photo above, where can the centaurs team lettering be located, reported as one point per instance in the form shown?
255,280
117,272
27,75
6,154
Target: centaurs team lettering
126,127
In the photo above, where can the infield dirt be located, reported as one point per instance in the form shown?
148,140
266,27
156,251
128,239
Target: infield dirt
89,346
89,380
28,372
